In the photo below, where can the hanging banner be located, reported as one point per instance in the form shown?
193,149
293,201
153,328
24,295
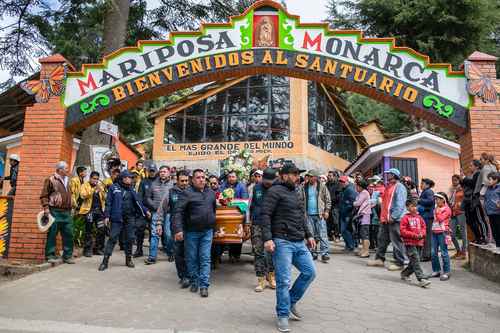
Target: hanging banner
266,36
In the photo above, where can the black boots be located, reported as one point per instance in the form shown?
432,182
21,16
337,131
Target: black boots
104,263
129,262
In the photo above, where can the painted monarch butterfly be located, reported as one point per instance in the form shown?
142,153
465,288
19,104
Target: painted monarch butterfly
479,85
43,89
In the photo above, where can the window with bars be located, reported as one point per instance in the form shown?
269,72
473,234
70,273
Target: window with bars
326,129
255,109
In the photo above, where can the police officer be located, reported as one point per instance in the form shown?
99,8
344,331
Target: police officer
122,207
141,222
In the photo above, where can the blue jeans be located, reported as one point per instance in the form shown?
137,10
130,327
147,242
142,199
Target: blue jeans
285,255
155,238
345,231
439,242
318,227
197,245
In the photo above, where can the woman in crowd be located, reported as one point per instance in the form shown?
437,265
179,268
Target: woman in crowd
362,203
426,210
458,217
376,189
489,165
492,205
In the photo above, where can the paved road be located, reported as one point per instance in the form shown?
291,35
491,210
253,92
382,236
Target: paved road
346,297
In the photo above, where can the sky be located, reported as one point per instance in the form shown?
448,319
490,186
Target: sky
310,11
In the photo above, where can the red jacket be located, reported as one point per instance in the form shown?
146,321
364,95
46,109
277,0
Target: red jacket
412,229
441,221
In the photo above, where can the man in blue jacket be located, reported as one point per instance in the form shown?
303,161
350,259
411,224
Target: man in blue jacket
426,210
122,207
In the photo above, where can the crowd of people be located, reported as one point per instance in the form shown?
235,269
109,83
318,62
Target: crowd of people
294,217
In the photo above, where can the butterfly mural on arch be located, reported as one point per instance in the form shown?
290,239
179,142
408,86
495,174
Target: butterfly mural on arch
43,89
478,84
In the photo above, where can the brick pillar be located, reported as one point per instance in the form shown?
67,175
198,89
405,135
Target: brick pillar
483,133
45,141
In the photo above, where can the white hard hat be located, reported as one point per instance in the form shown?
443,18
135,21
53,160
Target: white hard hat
15,157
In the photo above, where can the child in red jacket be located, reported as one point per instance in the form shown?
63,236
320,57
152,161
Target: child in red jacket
412,229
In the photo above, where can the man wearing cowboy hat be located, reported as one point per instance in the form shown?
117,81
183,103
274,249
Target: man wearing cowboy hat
56,201
14,169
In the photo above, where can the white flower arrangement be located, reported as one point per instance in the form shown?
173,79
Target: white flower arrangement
240,162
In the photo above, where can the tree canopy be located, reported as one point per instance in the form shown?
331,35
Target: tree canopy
446,31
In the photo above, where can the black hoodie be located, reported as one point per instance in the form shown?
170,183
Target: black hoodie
283,214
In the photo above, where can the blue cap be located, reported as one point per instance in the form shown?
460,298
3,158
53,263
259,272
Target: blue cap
394,171
126,173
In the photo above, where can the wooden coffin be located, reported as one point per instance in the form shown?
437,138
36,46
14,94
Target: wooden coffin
229,226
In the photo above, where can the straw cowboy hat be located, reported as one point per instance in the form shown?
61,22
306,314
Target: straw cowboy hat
44,222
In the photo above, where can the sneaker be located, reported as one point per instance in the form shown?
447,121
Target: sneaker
87,254
52,260
424,283
294,314
204,292
149,261
434,275
325,258
282,324
394,267
185,283
315,256
406,278
375,263
444,277
170,259
194,289
69,261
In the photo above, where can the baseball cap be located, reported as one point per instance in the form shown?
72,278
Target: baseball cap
126,173
394,171
289,168
313,173
269,174
344,179
375,179
258,172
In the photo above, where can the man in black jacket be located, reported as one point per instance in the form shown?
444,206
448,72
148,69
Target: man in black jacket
194,222
284,232
334,188
142,223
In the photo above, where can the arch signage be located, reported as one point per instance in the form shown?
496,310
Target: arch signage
267,38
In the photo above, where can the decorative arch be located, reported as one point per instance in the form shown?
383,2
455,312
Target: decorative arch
267,39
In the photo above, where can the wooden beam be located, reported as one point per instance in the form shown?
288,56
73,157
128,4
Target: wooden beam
340,115
11,115
174,109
